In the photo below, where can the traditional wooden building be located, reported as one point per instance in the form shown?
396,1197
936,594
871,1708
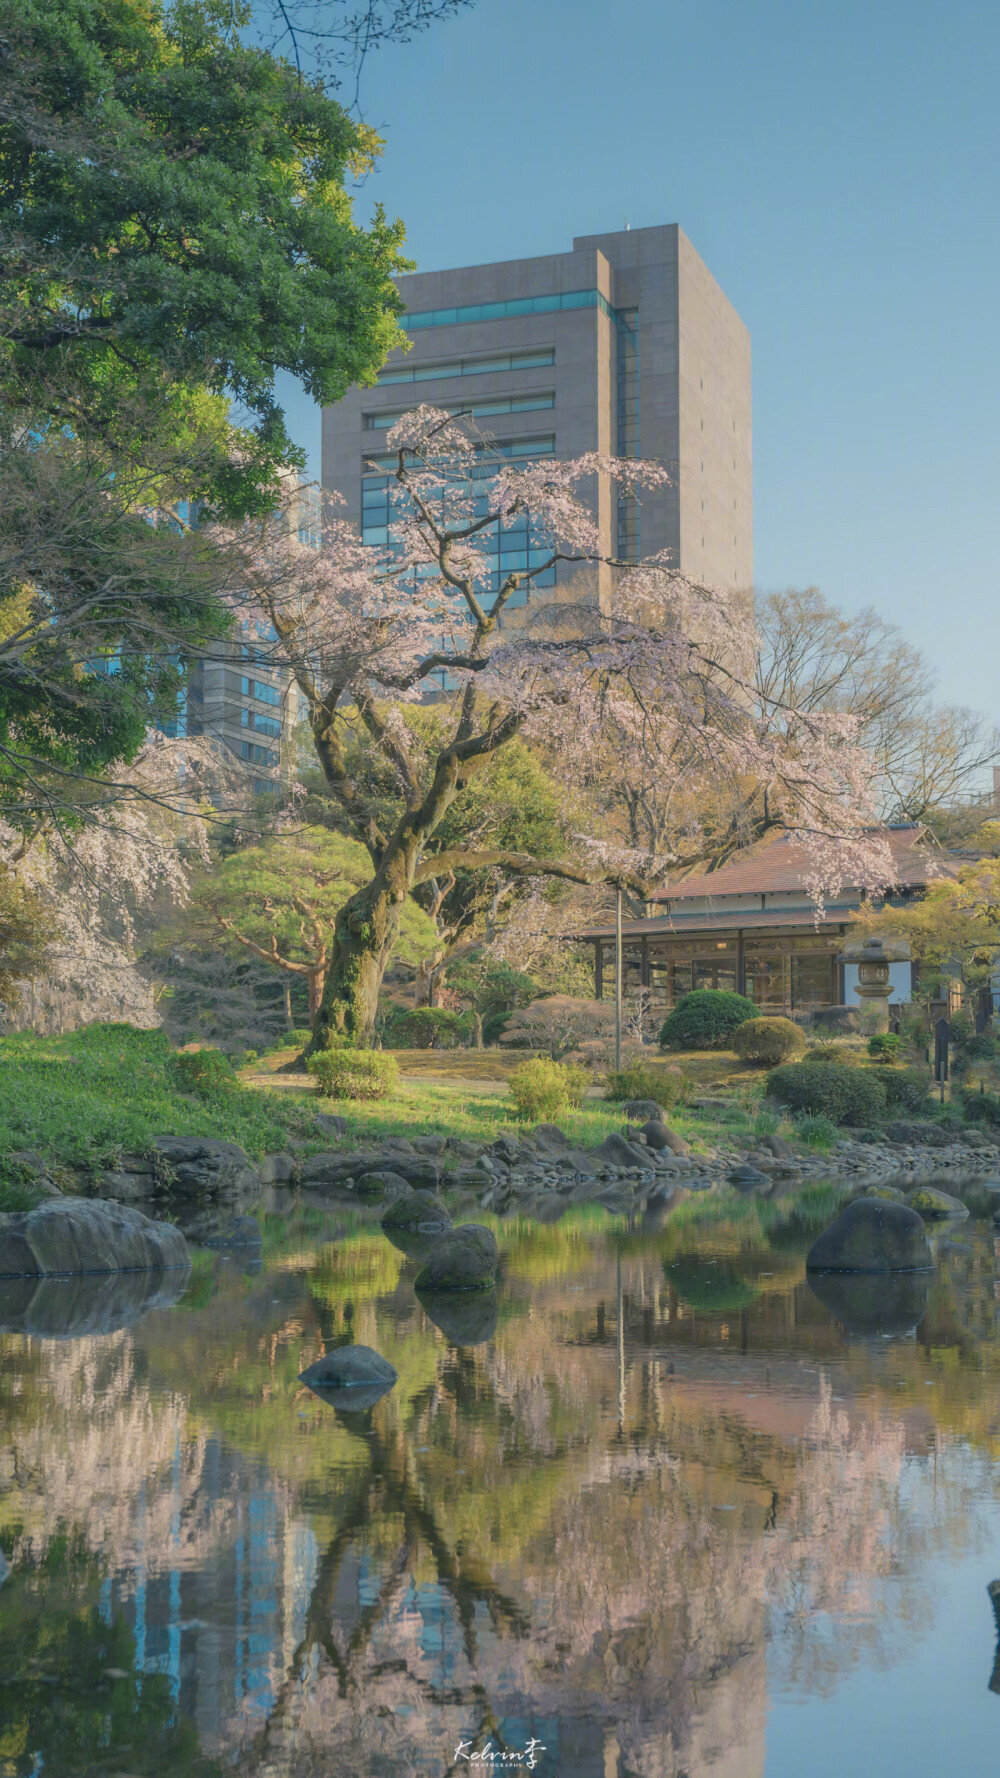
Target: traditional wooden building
752,927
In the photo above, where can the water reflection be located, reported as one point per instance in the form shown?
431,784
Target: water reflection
625,1507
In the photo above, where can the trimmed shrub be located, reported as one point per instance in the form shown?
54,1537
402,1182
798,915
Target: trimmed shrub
906,1089
845,1095
427,1028
981,1108
203,1072
884,1047
637,1082
833,1052
705,1020
768,1041
541,1088
354,1074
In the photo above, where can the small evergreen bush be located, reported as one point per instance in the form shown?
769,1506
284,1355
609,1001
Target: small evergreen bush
906,1089
639,1082
203,1072
354,1074
705,1020
981,1108
884,1047
768,1041
845,1095
833,1052
541,1088
427,1028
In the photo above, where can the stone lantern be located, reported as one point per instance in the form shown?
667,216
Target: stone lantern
873,962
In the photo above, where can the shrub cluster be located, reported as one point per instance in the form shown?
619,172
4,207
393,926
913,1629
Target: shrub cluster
845,1095
203,1072
541,1088
981,1108
906,1089
768,1041
354,1074
815,1131
884,1047
705,1020
640,1082
427,1028
833,1052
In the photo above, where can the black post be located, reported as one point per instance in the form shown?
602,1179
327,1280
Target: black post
942,1036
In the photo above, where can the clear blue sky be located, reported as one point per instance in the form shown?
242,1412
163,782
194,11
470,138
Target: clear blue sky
836,167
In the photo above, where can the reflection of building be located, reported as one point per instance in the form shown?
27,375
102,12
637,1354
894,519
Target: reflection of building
752,927
626,345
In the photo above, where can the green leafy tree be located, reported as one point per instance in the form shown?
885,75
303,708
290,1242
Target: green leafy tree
176,230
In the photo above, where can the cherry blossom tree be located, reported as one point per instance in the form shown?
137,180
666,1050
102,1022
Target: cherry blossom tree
656,659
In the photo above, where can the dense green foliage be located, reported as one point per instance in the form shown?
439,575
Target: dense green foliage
705,1020
109,1089
426,1028
177,231
541,1088
204,1071
884,1047
768,1041
814,1130
906,1089
640,1082
833,1052
845,1095
354,1074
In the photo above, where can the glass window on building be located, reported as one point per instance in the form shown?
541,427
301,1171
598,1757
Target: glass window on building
714,972
811,980
765,979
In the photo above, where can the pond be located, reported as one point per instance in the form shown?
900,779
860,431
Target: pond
674,1514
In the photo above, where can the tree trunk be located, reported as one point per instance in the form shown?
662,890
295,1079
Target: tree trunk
477,1031
364,935
286,992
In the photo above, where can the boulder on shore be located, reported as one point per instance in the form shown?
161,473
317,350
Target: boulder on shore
72,1235
351,1376
465,1259
199,1167
658,1136
872,1235
381,1182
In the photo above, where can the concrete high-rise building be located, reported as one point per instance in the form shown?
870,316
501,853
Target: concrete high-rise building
626,345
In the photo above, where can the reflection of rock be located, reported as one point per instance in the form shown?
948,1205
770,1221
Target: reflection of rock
353,1377
871,1305
70,1308
994,1592
87,1235
465,1320
4,1568
243,1232
872,1235
466,1259
714,1288
419,1213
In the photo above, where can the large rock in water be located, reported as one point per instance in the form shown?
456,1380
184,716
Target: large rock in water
350,1376
87,1235
930,1201
871,1235
467,1259
418,1213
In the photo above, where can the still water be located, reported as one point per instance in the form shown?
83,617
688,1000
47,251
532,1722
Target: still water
672,1515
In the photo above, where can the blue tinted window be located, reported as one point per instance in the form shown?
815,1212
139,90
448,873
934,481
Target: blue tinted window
520,305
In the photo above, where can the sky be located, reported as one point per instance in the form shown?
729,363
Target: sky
835,165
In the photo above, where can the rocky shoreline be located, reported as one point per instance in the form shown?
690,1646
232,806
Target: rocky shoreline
538,1172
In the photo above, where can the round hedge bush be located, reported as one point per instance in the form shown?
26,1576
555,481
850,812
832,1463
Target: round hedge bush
833,1052
354,1074
705,1020
768,1041
825,1089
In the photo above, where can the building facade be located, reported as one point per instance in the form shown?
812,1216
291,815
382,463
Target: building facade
625,345
752,928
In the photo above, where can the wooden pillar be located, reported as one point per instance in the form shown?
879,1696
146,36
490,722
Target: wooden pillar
834,980
644,961
599,969
741,965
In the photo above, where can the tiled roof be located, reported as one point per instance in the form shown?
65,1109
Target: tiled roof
751,920
783,864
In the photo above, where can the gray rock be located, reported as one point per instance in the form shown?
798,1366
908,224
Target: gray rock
331,1169
658,1136
465,1259
549,1139
777,1146
355,1377
932,1203
616,1152
871,1235
419,1212
330,1123
87,1235
745,1175
124,1188
430,1144
643,1111
195,1166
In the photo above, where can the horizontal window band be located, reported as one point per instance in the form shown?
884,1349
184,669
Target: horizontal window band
505,311
468,367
